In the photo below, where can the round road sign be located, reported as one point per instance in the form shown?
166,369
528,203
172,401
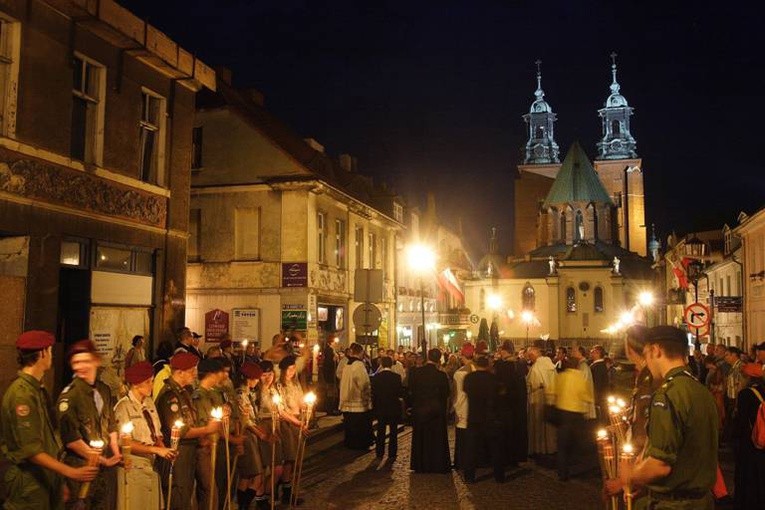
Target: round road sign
367,317
696,315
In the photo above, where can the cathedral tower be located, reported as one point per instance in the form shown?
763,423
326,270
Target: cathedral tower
617,141
540,147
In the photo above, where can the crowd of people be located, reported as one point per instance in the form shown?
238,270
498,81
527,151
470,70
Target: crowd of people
505,407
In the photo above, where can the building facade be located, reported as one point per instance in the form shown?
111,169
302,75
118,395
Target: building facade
97,113
277,230
752,233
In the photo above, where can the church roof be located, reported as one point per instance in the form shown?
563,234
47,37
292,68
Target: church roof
576,181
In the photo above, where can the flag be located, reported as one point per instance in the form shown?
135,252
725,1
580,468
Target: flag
680,273
448,282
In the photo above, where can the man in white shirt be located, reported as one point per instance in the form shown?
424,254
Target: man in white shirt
459,397
356,400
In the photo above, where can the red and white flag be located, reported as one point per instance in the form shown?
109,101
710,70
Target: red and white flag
449,282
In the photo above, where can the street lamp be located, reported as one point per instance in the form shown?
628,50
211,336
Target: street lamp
527,317
696,249
422,261
646,298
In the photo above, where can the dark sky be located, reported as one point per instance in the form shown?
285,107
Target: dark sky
431,96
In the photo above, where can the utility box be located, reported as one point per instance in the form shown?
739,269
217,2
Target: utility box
368,286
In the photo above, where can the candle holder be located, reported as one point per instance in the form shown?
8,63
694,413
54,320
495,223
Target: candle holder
126,436
310,401
175,439
217,415
92,461
225,423
627,458
607,460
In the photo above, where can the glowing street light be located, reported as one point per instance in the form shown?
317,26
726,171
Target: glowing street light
527,317
422,260
646,298
626,319
494,301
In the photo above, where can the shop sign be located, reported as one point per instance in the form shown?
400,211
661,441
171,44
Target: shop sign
294,318
294,274
245,323
216,325
729,304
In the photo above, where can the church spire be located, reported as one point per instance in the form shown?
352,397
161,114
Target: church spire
541,148
617,141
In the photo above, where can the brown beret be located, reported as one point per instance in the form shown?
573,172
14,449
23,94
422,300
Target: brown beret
82,346
467,350
35,340
183,361
251,370
139,372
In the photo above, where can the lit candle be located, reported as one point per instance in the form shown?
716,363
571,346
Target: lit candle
217,413
244,348
175,434
92,460
126,436
310,401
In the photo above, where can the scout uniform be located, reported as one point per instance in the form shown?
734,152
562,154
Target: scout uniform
143,481
682,432
174,403
84,412
27,430
251,464
204,401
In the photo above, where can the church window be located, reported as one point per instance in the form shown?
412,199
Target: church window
616,128
563,226
528,297
571,300
540,132
598,295
579,230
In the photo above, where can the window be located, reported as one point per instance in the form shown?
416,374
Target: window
598,295
384,254
563,226
570,300
88,91
73,254
247,233
359,240
10,38
196,147
528,297
579,230
195,222
372,250
398,212
616,128
321,238
728,286
340,243
123,259
152,138
540,132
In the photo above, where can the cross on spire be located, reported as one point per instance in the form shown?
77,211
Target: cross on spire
539,92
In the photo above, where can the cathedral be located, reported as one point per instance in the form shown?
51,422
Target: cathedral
580,248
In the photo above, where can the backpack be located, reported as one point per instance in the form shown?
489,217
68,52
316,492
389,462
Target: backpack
758,428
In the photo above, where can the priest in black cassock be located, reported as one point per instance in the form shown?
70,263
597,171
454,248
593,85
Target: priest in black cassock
511,406
429,396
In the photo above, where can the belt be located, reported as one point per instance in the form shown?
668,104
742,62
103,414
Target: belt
677,495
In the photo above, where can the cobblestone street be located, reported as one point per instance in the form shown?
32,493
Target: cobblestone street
339,478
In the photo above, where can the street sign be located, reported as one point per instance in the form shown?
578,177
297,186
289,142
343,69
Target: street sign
696,315
474,319
734,304
367,317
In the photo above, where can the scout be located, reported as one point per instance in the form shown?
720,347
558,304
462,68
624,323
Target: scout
679,462
28,439
174,404
85,415
147,443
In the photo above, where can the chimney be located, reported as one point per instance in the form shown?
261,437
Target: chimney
257,97
347,163
314,145
224,73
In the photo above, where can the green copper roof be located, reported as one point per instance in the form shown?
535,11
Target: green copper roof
576,181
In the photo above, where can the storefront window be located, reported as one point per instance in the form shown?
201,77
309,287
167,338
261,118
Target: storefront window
116,259
71,253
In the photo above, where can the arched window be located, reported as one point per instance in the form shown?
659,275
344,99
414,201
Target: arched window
540,132
528,297
594,221
482,299
598,295
616,128
563,226
579,229
571,300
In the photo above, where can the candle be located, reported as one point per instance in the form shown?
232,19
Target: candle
310,401
244,348
126,436
175,434
92,461
217,413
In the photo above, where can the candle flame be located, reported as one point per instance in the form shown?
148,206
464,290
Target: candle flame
217,413
244,343
614,409
127,428
628,448
602,434
611,399
178,424
621,403
276,399
310,398
97,444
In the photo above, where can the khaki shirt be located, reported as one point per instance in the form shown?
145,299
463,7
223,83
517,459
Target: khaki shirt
682,432
174,403
204,401
78,415
130,409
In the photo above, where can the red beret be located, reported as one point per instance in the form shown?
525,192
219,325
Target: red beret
251,370
81,347
752,369
35,340
183,361
139,372
225,344
467,350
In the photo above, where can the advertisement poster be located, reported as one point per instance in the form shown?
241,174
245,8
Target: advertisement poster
112,330
216,325
294,317
245,323
294,274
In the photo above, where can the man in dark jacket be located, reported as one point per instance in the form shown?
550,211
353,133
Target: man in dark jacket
600,381
483,427
428,395
387,391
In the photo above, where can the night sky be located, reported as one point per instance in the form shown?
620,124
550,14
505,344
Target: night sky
431,96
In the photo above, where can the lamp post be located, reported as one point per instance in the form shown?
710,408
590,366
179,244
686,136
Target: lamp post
695,248
422,260
646,300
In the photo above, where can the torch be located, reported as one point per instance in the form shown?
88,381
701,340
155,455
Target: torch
225,423
244,349
217,415
276,400
627,456
126,436
92,461
175,438
309,400
607,460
